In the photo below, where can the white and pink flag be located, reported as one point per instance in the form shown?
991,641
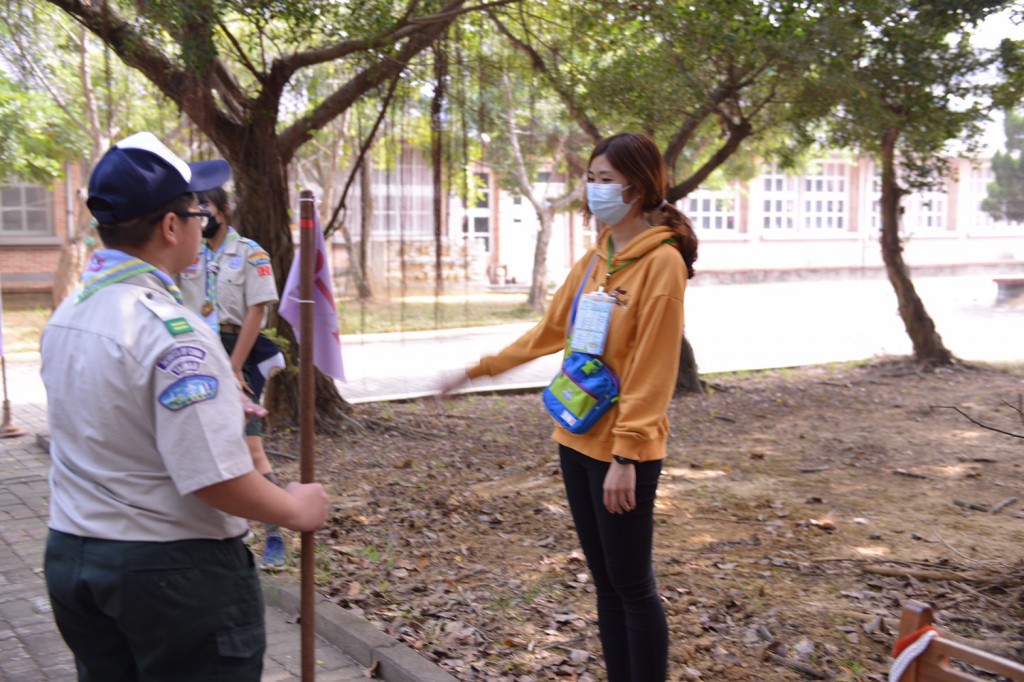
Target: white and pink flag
326,337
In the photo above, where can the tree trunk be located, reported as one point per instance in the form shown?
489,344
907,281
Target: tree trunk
73,259
437,103
688,379
261,193
537,299
283,389
928,346
362,279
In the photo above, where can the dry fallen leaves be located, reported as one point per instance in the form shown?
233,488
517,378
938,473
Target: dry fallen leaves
461,545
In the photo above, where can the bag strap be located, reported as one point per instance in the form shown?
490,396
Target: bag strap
579,292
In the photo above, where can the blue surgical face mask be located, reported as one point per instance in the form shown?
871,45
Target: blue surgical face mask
605,201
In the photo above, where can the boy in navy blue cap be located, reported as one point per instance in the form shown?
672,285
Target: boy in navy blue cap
151,479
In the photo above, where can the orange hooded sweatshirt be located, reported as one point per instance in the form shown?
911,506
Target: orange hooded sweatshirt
642,347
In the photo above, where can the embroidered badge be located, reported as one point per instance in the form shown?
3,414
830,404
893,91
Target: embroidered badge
182,360
188,391
264,271
178,326
259,258
235,262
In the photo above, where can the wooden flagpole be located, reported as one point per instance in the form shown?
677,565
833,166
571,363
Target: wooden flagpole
307,424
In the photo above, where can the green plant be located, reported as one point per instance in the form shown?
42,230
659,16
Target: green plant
281,342
855,668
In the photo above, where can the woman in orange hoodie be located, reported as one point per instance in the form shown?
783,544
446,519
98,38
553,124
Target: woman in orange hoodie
643,259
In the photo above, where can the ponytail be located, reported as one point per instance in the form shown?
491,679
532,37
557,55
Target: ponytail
682,229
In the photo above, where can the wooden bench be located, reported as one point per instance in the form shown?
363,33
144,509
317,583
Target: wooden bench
1008,288
932,665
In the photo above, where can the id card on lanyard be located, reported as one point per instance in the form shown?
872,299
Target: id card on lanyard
593,319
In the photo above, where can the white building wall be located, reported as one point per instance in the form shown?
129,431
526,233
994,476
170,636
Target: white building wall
824,219
790,225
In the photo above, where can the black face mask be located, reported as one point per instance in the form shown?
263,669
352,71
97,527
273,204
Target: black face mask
211,228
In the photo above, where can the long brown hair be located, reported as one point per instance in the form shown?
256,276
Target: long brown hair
638,159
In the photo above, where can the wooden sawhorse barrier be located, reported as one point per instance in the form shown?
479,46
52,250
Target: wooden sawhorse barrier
932,663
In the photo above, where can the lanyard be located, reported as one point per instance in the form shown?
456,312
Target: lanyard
212,268
611,252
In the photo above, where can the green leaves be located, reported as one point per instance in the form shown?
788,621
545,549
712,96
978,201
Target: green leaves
34,140
1005,200
912,71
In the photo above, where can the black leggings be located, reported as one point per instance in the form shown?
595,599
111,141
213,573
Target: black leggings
634,632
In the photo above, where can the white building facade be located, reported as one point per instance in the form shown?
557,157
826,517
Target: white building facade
822,222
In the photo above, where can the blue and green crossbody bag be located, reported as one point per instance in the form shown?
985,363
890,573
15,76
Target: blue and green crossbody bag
585,388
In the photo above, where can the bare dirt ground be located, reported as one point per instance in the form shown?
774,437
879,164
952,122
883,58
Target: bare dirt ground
797,511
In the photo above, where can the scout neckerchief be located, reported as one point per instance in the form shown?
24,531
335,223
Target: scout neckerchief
211,262
110,266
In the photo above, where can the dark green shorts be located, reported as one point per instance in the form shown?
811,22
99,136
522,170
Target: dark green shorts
157,611
253,425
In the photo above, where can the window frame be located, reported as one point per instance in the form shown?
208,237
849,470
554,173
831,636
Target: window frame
46,237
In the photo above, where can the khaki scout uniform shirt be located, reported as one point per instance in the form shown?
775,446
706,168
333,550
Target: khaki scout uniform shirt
244,278
143,410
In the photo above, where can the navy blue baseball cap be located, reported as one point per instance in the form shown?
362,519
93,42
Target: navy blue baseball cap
139,174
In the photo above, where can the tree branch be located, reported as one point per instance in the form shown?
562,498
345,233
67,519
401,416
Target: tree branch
299,132
540,66
403,28
357,166
975,421
737,133
182,86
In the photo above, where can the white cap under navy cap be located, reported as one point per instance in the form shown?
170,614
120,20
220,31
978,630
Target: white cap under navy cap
139,174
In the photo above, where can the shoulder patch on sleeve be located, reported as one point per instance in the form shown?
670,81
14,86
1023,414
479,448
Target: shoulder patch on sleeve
182,360
178,326
189,391
170,313
259,259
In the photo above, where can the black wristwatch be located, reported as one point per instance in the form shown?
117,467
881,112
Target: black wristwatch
623,460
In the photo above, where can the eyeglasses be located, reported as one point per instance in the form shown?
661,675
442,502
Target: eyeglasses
203,216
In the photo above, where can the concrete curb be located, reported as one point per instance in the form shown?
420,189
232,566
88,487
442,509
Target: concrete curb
354,636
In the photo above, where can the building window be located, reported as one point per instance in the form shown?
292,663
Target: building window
25,211
781,193
711,210
403,201
824,198
481,232
924,212
816,202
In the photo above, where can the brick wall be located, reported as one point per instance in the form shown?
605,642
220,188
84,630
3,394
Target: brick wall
29,268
